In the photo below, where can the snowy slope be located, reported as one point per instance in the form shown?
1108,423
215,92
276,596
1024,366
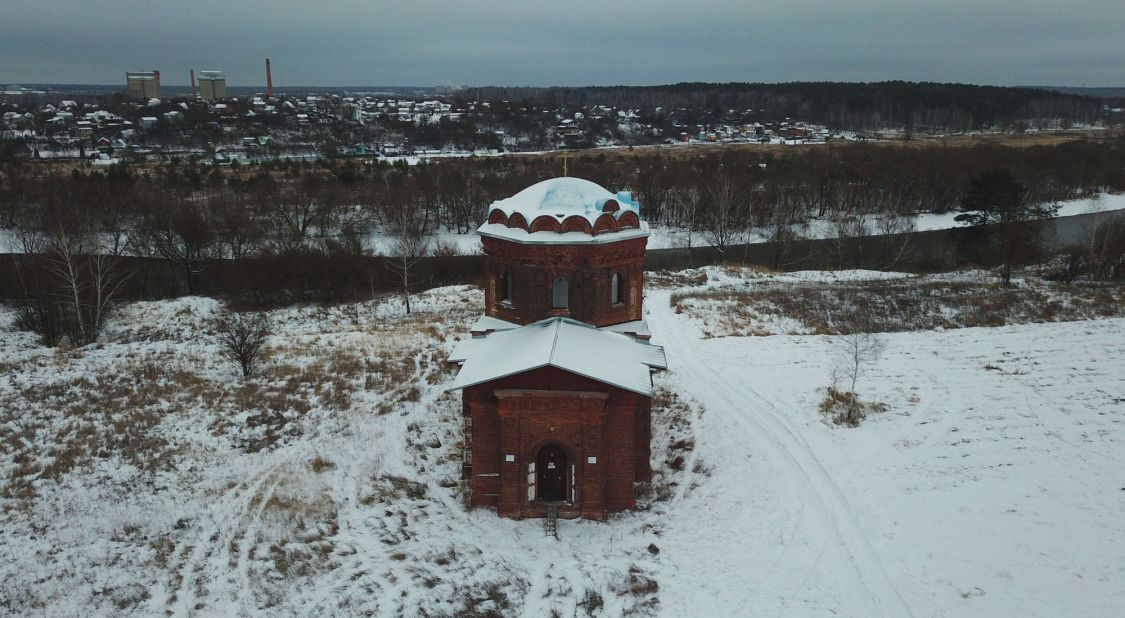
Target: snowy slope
328,484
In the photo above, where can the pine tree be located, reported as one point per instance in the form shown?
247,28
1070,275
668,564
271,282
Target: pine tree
997,200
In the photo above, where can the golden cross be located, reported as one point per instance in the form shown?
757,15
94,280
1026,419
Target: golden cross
565,156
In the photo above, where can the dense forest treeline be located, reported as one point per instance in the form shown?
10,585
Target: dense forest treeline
840,106
332,230
298,202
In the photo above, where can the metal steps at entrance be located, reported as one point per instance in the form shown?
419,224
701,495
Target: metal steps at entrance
551,522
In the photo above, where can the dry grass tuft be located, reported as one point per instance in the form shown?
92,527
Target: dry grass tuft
675,278
319,465
846,409
673,442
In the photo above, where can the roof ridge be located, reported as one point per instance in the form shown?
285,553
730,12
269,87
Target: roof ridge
555,343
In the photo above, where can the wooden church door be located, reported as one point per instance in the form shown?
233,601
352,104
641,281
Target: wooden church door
551,474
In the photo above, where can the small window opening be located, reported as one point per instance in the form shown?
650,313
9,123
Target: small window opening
505,287
560,293
616,289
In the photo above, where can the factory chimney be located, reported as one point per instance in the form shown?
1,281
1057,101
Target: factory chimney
193,84
269,80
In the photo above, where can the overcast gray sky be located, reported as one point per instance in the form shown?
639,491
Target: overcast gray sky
578,42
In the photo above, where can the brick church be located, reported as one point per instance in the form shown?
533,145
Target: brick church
556,379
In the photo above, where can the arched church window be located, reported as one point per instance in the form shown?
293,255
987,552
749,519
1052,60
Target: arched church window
560,293
616,289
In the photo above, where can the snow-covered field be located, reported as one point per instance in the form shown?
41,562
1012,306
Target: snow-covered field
141,476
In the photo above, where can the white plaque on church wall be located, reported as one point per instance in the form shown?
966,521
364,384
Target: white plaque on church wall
509,457
591,460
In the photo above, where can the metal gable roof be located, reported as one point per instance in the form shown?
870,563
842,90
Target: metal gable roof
573,346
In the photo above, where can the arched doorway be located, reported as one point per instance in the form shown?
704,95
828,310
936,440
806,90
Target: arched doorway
552,470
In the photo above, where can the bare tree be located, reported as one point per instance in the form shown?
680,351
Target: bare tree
237,229
65,251
1107,248
409,224
688,200
36,306
998,202
785,222
655,190
243,337
69,282
107,278
894,238
459,195
848,234
180,232
855,352
294,214
726,216
31,239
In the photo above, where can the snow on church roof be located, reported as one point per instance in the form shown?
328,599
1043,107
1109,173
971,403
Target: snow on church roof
565,210
515,234
564,343
486,324
562,197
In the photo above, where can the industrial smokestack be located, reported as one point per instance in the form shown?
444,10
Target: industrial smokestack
269,80
193,83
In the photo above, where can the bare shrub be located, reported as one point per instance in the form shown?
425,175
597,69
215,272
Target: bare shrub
243,336
592,602
643,589
488,600
319,464
444,248
389,487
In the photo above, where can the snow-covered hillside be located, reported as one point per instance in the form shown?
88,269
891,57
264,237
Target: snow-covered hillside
142,476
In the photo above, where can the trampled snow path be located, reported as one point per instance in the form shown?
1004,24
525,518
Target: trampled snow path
756,424
233,520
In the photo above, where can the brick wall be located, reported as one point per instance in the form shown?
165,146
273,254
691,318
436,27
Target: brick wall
588,268
518,414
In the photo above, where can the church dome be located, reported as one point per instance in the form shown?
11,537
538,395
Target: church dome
568,207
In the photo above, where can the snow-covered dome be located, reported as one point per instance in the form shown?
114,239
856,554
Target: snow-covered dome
564,207
562,197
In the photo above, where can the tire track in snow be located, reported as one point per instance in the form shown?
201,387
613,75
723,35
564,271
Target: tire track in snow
873,593
203,548
219,553
246,538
